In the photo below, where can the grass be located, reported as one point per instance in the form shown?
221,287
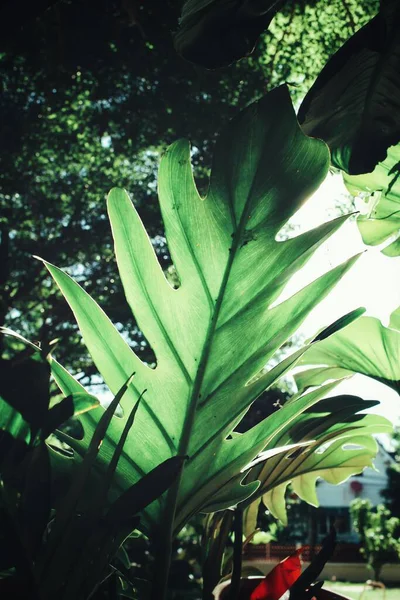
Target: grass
354,591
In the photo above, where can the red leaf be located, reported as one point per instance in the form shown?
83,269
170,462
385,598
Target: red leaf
280,579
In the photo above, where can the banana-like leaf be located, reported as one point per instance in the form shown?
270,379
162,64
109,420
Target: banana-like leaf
215,33
380,221
343,446
354,105
217,331
365,346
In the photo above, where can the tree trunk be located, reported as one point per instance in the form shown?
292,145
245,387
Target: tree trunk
377,569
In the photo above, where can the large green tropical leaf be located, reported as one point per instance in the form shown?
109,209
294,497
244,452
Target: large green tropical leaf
380,221
365,346
354,105
342,446
213,334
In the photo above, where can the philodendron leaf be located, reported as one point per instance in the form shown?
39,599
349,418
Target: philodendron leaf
215,33
214,333
342,446
354,105
365,346
380,221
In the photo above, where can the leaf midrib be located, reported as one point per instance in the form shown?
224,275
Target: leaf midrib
236,239
199,378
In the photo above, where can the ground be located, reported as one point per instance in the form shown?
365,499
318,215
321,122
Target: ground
354,591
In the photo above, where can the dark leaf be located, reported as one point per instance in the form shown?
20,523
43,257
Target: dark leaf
354,105
25,386
35,502
310,574
215,33
12,453
339,324
145,491
118,450
74,404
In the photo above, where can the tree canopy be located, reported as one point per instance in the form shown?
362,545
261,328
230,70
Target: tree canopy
92,94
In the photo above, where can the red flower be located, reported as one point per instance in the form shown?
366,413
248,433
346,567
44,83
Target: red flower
280,579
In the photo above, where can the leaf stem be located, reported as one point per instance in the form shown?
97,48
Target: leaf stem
237,554
162,555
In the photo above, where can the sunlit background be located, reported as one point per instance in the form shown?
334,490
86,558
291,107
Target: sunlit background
373,282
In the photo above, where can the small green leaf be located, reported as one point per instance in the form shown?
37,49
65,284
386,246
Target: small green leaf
250,515
66,513
380,218
365,346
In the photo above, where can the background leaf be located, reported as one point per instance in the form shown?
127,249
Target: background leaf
365,346
380,219
333,424
354,105
215,33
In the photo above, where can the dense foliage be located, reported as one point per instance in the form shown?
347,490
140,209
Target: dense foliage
392,492
379,534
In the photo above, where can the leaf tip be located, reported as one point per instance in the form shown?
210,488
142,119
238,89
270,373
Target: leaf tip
117,194
39,258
